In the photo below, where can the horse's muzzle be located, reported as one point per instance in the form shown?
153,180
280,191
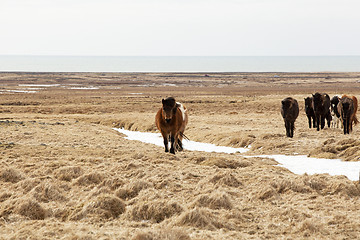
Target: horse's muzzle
168,120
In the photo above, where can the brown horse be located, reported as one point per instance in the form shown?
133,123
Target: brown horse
289,111
171,120
347,108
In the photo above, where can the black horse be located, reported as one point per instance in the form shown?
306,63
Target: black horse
309,110
334,110
321,106
289,112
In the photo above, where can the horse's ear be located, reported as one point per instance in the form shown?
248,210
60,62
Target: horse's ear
162,101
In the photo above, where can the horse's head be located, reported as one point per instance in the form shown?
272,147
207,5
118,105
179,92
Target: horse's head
333,104
317,100
346,107
286,105
308,103
168,108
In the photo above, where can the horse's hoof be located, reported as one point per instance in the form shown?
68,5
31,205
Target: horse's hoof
172,151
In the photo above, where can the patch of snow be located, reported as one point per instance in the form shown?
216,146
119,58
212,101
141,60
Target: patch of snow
298,164
156,138
38,85
20,91
84,88
301,164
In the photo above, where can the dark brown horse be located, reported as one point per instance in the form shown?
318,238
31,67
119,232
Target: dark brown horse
171,120
347,108
310,111
289,111
321,106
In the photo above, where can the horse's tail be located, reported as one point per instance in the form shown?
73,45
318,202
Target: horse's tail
184,136
356,121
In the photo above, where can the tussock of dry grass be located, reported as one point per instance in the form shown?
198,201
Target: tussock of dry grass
30,209
103,207
162,234
28,184
90,179
113,183
347,149
320,183
216,200
132,190
312,226
10,175
226,179
266,193
242,141
46,192
155,211
4,196
68,173
199,218
224,163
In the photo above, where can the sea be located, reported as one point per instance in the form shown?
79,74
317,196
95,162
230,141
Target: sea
16,63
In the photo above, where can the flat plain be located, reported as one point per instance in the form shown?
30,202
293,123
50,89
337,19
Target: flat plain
66,174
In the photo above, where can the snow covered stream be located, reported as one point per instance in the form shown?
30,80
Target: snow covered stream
156,138
298,164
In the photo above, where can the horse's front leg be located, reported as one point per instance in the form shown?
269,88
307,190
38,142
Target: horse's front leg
322,122
172,143
314,122
292,127
317,123
166,142
287,127
309,118
345,126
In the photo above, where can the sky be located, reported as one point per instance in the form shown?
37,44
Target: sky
180,27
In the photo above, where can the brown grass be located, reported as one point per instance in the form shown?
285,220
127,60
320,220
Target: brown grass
65,174
216,200
10,175
30,209
68,173
199,218
103,207
132,190
162,234
155,211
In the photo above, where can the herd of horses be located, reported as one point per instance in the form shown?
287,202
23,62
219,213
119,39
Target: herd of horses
172,118
319,108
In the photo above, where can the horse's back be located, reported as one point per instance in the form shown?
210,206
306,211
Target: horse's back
183,115
355,103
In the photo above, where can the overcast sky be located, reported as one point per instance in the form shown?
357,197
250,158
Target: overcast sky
180,27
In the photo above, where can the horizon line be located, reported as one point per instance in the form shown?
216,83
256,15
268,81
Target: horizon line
57,55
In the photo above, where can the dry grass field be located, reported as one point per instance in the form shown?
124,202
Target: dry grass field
66,174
